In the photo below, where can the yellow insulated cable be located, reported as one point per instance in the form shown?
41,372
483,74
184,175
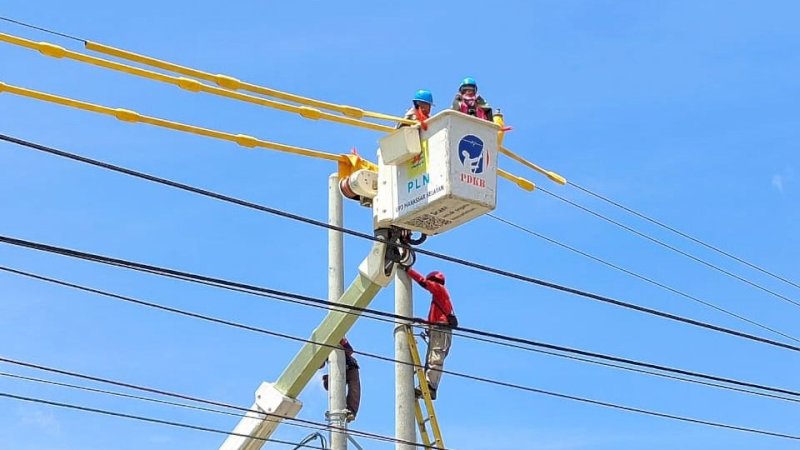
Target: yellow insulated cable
235,84
188,84
231,84
519,181
549,174
127,115
132,116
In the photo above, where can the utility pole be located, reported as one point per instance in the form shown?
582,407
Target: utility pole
404,372
336,361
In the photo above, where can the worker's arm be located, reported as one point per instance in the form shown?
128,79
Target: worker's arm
457,103
418,277
348,349
482,103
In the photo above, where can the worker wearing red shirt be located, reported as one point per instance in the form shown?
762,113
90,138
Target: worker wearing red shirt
441,320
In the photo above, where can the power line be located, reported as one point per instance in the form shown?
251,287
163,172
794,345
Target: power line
462,375
214,281
672,248
301,423
639,276
117,394
321,426
685,235
292,421
288,215
715,379
34,27
508,385
145,419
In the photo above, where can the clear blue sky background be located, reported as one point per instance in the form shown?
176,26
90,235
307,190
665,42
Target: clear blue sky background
684,110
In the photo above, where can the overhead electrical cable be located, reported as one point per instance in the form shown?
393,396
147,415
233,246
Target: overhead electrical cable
641,277
243,412
672,248
508,385
322,224
685,235
550,349
107,412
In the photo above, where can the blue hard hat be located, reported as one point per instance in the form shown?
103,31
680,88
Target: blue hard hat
424,95
469,81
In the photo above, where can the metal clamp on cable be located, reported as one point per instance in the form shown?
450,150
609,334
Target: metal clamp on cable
398,250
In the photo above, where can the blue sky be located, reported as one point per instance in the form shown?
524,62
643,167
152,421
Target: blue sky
684,110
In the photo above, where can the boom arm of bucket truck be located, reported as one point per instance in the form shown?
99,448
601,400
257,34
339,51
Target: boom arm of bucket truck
277,401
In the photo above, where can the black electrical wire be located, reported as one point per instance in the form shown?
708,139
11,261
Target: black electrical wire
34,27
359,234
214,281
671,247
106,412
549,349
120,394
641,277
485,380
684,235
291,421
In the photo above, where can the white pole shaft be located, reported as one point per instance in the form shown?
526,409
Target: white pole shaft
337,393
405,427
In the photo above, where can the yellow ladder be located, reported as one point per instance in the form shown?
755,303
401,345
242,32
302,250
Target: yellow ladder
422,421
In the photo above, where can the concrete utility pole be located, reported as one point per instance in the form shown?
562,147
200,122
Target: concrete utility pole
403,373
336,361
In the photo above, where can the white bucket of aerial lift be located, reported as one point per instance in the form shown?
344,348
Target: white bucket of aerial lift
452,181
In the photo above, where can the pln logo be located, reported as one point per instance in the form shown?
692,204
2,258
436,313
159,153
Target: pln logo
472,154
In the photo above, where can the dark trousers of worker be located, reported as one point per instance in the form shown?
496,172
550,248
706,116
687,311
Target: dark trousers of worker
439,340
353,389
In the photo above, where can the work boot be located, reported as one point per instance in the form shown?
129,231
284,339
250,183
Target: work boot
418,392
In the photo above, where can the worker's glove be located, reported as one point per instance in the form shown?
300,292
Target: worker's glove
452,321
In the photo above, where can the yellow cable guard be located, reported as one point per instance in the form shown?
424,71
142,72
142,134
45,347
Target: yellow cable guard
549,174
231,83
499,120
347,163
519,181
188,84
133,117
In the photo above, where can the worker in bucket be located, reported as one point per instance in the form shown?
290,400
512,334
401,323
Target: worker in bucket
421,107
469,102
352,378
441,320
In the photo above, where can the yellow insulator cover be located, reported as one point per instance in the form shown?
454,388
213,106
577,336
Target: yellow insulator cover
126,115
227,82
190,84
48,49
246,141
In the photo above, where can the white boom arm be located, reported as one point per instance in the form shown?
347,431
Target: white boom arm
277,401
